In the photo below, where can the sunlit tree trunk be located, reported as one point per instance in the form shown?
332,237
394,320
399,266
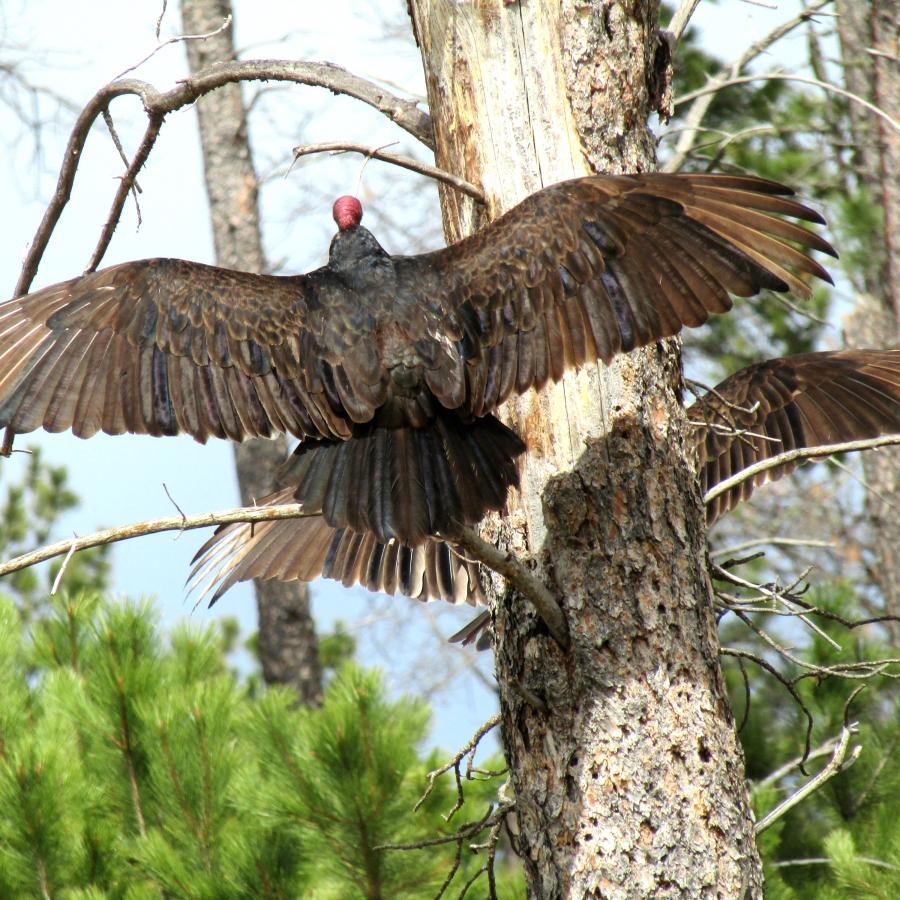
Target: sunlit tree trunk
863,28
288,649
628,777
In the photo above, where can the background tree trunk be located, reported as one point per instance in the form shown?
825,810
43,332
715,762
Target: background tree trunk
876,320
288,650
628,776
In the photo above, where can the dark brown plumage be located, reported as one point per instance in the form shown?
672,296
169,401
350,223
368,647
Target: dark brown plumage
388,368
809,400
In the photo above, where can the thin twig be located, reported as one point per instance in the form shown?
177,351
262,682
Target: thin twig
800,311
180,510
397,159
62,569
159,20
226,23
468,830
792,455
520,578
788,686
870,489
775,541
117,141
778,596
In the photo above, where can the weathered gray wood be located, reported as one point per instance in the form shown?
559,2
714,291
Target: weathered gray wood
288,649
628,776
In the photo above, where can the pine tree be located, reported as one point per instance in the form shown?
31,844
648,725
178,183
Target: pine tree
135,766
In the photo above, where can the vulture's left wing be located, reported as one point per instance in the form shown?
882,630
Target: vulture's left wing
596,266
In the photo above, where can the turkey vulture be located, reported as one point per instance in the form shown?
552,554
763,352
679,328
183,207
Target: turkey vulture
808,400
388,368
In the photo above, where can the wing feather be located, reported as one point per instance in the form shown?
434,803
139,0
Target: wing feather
172,346
644,254
809,400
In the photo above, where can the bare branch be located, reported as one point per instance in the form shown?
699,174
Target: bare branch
702,102
774,541
226,23
406,162
826,861
404,113
839,761
714,87
125,185
891,56
503,563
792,455
520,578
467,751
154,526
681,18
775,776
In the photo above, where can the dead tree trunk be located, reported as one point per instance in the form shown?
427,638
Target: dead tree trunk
628,776
863,27
288,649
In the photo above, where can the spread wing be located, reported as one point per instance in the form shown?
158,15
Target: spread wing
589,268
810,400
307,548
164,346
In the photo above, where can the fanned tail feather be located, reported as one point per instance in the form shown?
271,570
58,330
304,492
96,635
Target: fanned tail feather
308,548
405,483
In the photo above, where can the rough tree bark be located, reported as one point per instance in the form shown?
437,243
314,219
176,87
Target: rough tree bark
628,775
876,321
288,649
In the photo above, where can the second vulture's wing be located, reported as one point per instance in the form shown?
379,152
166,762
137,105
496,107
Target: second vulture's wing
589,268
166,346
809,400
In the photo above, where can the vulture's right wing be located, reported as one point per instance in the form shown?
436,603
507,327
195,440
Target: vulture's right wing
166,346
